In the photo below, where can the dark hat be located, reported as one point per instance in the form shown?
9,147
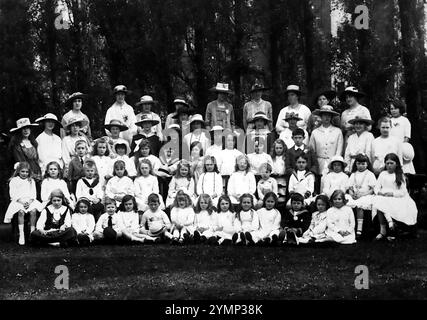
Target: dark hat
123,144
329,94
292,115
326,109
183,109
120,88
74,96
116,123
258,86
353,91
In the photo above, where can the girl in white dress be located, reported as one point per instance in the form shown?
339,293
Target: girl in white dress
258,158
205,222
278,154
146,184
227,158
144,152
83,222
336,179
392,200
120,185
52,181
210,182
122,149
226,220
269,221
182,218
128,214
340,220
361,188
22,191
104,163
359,142
241,181
246,222
383,145
182,180
400,125
316,232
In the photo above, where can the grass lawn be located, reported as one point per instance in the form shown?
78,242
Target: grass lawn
396,271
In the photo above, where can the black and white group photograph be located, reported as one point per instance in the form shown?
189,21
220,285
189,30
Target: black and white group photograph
236,152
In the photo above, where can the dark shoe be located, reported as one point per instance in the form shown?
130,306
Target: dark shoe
249,240
212,241
243,237
196,237
203,239
292,239
267,241
226,242
235,237
274,240
186,238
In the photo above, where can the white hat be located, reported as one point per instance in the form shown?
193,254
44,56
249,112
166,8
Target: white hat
120,88
221,87
326,109
23,123
49,116
337,159
408,152
197,117
146,100
217,128
75,120
146,117
293,88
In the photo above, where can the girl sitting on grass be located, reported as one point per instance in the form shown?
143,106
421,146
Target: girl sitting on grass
317,228
340,220
246,222
182,217
226,220
205,220
269,220
83,222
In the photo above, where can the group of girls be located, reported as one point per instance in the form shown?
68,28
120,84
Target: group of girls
103,173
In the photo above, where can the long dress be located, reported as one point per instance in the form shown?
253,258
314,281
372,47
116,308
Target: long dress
357,144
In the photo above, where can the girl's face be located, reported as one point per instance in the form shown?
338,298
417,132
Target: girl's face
77,104
146,126
49,125
145,151
246,204
209,165
120,171
115,132
89,173
321,206
296,205
111,209
301,164
326,118
224,205
24,173
229,142
83,208
203,204
57,202
102,149
195,153
259,124
385,128
182,203
395,112
196,125
338,201
75,128
359,127
242,164
26,132
53,171
183,171
390,165
265,173
120,97
361,166
270,203
337,167
145,169
322,101
128,206
121,151
278,148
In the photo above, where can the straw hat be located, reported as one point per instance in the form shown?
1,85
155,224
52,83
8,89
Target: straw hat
82,122
217,128
146,100
292,115
146,117
122,144
353,91
74,96
180,100
23,123
337,159
221,88
49,117
258,86
326,109
361,119
408,152
120,89
197,117
260,115
116,123
293,88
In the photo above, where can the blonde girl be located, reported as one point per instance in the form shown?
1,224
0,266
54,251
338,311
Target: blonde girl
120,185
182,180
53,180
182,218
101,155
278,155
226,218
205,221
246,222
241,181
146,184
210,182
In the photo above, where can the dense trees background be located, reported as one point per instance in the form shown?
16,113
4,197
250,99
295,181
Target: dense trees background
172,47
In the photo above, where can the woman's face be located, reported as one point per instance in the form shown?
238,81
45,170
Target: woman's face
120,97
77,104
256,95
196,125
395,112
351,100
322,101
229,142
26,132
224,205
115,132
57,202
390,165
246,204
75,128
195,152
49,125
292,98
326,118
203,204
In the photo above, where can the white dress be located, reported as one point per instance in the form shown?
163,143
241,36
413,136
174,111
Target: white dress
49,149
383,146
124,113
362,182
210,183
257,160
240,182
249,221
317,228
144,186
181,183
400,207
227,161
104,166
357,144
334,181
205,223
269,224
119,187
183,217
341,220
83,223
301,110
400,128
49,184
226,227
25,190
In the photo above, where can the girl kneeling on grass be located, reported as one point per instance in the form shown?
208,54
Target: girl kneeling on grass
205,220
226,220
154,222
109,225
54,224
340,220
269,220
316,230
392,201
295,221
182,217
246,222
83,222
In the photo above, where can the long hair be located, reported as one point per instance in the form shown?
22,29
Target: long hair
120,164
143,144
19,167
57,193
125,199
248,165
146,161
399,172
270,195
178,170
245,195
324,198
53,163
273,149
195,143
361,158
17,138
206,198
224,197
337,193
97,143
84,201
182,195
211,158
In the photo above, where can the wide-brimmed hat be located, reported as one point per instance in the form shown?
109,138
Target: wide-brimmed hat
408,152
146,117
74,96
197,117
361,119
260,115
292,115
217,128
329,94
122,144
120,88
174,126
83,122
146,100
23,123
353,91
180,100
221,87
116,123
183,109
258,86
326,109
337,159
293,88
49,117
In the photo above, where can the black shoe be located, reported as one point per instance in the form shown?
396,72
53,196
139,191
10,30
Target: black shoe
212,241
274,240
249,239
203,239
149,241
243,237
186,238
267,241
226,242
196,237
235,237
292,239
